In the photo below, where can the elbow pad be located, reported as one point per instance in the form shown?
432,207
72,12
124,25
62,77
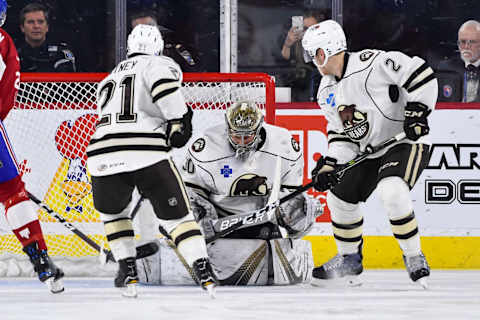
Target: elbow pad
179,131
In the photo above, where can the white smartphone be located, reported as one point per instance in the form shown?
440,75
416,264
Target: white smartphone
297,23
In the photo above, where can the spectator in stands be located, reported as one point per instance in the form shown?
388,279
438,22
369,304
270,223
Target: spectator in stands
37,53
185,56
469,63
306,79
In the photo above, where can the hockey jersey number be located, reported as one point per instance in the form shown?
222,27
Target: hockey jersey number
126,114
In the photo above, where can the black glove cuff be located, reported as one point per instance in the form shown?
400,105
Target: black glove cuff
416,110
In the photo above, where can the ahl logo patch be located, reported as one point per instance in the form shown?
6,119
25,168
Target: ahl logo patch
198,145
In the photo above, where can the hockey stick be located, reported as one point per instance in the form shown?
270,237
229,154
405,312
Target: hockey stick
142,251
168,240
248,220
229,224
171,244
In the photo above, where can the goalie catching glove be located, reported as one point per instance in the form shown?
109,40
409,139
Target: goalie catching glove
298,215
204,212
416,123
323,174
179,131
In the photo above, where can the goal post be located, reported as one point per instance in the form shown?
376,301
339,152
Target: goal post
50,126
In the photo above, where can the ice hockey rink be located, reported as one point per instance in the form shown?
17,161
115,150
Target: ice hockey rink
385,294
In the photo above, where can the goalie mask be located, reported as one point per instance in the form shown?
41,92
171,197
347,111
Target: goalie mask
244,121
3,12
145,39
327,35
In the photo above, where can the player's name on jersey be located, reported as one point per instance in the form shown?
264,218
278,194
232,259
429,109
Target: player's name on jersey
125,66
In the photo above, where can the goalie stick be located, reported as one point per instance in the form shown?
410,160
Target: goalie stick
226,225
168,240
143,251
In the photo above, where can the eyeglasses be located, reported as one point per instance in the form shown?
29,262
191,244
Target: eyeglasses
466,42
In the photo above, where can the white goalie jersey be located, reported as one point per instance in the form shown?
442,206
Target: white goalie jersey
237,185
360,111
135,101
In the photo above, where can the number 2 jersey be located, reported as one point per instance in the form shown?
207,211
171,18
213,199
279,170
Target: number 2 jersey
366,105
135,101
237,185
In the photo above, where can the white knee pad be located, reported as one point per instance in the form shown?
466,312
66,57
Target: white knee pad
341,211
395,196
21,214
170,225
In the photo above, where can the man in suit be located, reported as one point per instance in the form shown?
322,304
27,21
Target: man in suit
469,48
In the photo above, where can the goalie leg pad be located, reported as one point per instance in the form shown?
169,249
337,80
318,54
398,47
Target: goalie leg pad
163,268
292,261
237,262
347,224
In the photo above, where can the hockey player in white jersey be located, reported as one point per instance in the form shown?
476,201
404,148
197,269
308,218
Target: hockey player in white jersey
368,97
143,116
231,170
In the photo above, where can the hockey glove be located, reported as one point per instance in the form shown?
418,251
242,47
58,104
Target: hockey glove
416,123
323,174
179,131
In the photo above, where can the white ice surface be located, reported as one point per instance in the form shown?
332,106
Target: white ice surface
383,295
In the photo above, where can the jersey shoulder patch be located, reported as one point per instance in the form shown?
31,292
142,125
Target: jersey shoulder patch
295,145
365,55
198,145
212,145
280,142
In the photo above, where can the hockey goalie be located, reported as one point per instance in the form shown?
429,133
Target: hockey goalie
231,171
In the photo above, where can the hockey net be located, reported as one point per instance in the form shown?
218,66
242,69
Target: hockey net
50,126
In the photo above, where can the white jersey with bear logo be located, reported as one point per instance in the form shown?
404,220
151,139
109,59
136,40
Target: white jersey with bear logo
135,101
366,106
235,185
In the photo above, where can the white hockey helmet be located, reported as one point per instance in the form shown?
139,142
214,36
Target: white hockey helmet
327,35
145,39
244,120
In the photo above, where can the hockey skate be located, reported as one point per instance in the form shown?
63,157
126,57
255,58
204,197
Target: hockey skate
346,267
205,275
128,273
418,269
47,271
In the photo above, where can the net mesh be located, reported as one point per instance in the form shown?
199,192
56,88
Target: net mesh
49,128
